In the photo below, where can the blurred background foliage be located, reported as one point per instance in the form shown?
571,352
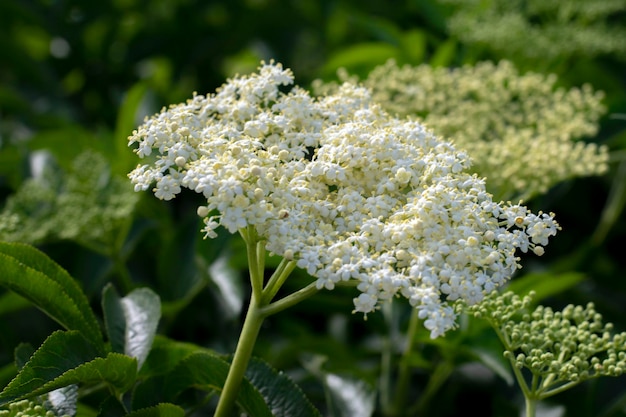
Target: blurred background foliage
76,77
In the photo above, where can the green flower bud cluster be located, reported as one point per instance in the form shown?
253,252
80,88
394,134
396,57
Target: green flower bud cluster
558,348
86,204
521,131
27,408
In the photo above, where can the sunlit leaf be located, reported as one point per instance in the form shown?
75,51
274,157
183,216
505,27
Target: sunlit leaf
360,58
349,397
229,284
545,284
131,321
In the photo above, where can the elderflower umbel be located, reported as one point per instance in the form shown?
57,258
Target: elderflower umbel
343,189
521,131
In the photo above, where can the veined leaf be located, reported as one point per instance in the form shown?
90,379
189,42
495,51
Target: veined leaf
131,321
207,372
33,275
281,394
263,392
164,356
67,358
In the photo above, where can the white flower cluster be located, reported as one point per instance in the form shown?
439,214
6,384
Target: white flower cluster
522,131
342,188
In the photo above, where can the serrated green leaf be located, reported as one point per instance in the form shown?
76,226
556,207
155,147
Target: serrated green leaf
67,358
59,353
33,275
131,321
111,407
114,320
164,356
23,353
159,410
281,394
207,372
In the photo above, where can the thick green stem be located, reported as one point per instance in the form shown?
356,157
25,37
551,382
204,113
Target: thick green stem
247,340
531,406
258,310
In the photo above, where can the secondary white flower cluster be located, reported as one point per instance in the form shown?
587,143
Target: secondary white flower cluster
342,188
522,131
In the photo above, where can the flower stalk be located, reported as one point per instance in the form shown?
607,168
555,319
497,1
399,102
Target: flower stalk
243,353
259,308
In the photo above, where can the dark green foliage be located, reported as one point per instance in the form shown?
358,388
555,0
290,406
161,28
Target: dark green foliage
77,77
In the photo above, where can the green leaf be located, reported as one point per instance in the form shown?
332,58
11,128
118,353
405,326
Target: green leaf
545,284
10,302
159,410
111,407
164,356
67,358
360,58
33,275
207,372
23,352
264,391
280,393
131,321
414,46
444,55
